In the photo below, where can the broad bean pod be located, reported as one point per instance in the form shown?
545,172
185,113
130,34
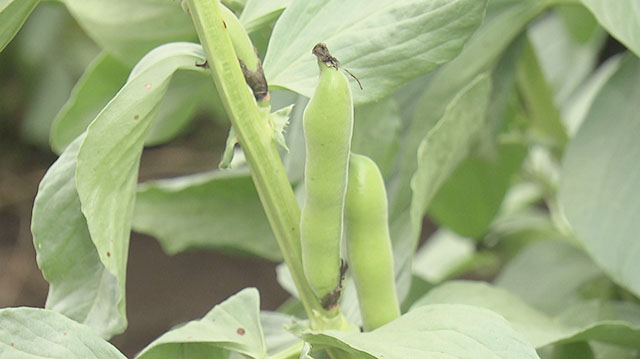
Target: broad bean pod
328,125
369,250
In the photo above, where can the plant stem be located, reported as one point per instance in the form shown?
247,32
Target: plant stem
255,136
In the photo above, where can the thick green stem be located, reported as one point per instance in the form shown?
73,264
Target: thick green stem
255,136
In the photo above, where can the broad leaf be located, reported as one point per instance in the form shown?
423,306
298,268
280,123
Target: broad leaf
447,144
128,29
234,325
259,13
469,200
384,43
538,328
30,333
621,18
205,211
13,14
599,183
375,132
441,255
433,331
100,82
504,23
276,337
107,162
80,286
548,274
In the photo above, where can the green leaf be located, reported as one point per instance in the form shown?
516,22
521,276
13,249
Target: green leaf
100,82
277,338
433,331
538,101
30,333
470,199
128,29
441,255
504,22
578,106
598,187
186,91
258,13
447,144
279,121
208,210
13,14
107,162
538,328
367,39
234,325
548,274
376,131
621,18
565,61
81,289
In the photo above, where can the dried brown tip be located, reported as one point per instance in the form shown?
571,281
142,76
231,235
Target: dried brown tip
321,51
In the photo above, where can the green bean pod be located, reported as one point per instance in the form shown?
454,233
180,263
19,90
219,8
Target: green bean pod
368,243
328,124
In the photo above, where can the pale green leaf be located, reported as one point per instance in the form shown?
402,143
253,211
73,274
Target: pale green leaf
538,328
565,61
234,325
621,18
376,132
100,82
206,211
548,274
279,121
31,333
538,102
447,144
258,13
82,288
441,255
107,162
432,331
130,28
599,182
276,337
13,14
470,199
383,43
504,22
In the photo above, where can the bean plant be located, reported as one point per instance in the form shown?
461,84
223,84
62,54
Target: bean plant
352,125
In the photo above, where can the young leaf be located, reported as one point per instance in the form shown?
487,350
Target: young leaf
621,18
13,14
234,325
598,187
258,13
504,22
469,200
447,144
537,327
279,121
547,274
384,43
432,331
128,29
107,162
100,82
207,210
30,333
81,289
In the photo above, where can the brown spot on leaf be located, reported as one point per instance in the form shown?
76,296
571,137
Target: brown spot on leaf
64,334
224,24
136,117
108,254
240,331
